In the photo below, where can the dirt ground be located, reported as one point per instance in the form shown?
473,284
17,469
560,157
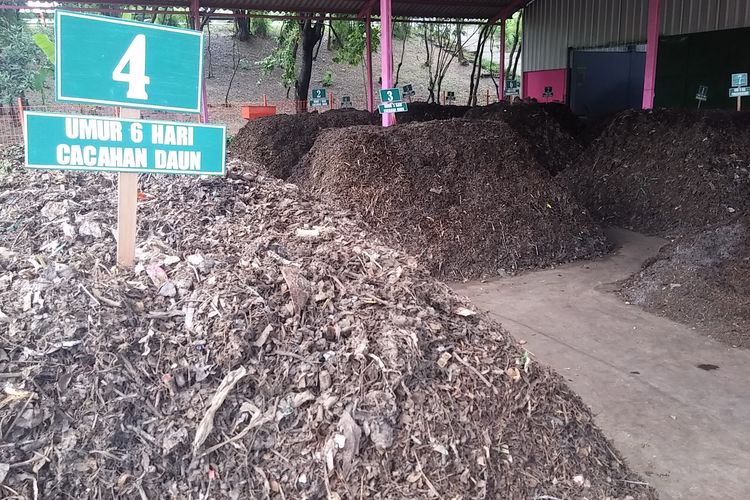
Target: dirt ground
701,280
250,84
264,346
666,172
466,198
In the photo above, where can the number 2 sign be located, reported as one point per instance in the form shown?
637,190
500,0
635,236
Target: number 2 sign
110,61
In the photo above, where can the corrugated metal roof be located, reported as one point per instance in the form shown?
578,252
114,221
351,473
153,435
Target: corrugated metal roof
414,9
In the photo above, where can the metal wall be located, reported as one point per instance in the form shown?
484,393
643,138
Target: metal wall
553,26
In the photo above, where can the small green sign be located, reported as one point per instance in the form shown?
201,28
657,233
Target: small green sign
739,92
739,79
110,61
393,107
408,90
548,92
702,94
390,95
346,101
319,98
451,96
57,141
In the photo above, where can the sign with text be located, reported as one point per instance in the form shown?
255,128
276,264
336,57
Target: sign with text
511,88
547,92
409,90
102,144
702,94
393,107
111,61
739,92
739,79
451,96
390,95
346,101
319,98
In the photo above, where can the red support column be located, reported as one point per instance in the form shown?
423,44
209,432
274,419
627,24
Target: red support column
386,54
501,76
368,64
652,49
195,9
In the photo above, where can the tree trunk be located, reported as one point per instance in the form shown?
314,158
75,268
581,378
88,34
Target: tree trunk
243,27
460,46
520,45
310,34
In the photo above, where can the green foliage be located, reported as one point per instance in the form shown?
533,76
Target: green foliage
259,27
46,45
402,30
327,79
491,66
513,28
285,54
350,41
19,61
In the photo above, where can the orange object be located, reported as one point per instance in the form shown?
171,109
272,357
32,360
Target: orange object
252,112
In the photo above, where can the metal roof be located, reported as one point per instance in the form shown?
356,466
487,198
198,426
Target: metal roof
412,9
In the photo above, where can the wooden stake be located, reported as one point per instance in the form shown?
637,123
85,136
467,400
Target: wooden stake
127,204
739,103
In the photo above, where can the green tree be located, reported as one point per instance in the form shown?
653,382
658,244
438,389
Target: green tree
19,61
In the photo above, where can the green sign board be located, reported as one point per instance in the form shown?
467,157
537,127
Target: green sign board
409,90
102,144
451,96
739,79
319,98
346,101
702,94
390,95
739,92
393,107
110,61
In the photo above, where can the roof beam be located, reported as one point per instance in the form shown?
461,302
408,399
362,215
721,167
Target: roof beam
366,9
509,10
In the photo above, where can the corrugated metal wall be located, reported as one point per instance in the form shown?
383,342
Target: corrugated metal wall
552,26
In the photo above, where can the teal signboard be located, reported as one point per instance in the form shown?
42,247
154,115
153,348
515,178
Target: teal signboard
739,79
390,95
110,61
103,144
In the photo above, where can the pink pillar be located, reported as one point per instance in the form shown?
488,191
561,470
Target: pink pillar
368,64
501,76
652,49
386,54
195,8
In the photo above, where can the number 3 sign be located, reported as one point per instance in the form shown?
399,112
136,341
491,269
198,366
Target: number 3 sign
104,60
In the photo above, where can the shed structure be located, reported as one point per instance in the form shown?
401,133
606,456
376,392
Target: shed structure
599,56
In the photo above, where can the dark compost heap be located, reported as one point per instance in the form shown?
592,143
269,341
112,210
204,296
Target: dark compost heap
279,142
471,204
667,172
703,280
554,148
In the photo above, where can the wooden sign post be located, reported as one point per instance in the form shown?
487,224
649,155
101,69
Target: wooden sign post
127,207
115,62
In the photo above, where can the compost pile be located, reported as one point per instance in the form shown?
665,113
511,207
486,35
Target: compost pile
701,279
554,148
423,112
279,142
264,346
667,172
467,199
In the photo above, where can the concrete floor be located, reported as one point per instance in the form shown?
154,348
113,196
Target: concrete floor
685,429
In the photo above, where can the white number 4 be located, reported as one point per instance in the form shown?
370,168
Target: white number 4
135,58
